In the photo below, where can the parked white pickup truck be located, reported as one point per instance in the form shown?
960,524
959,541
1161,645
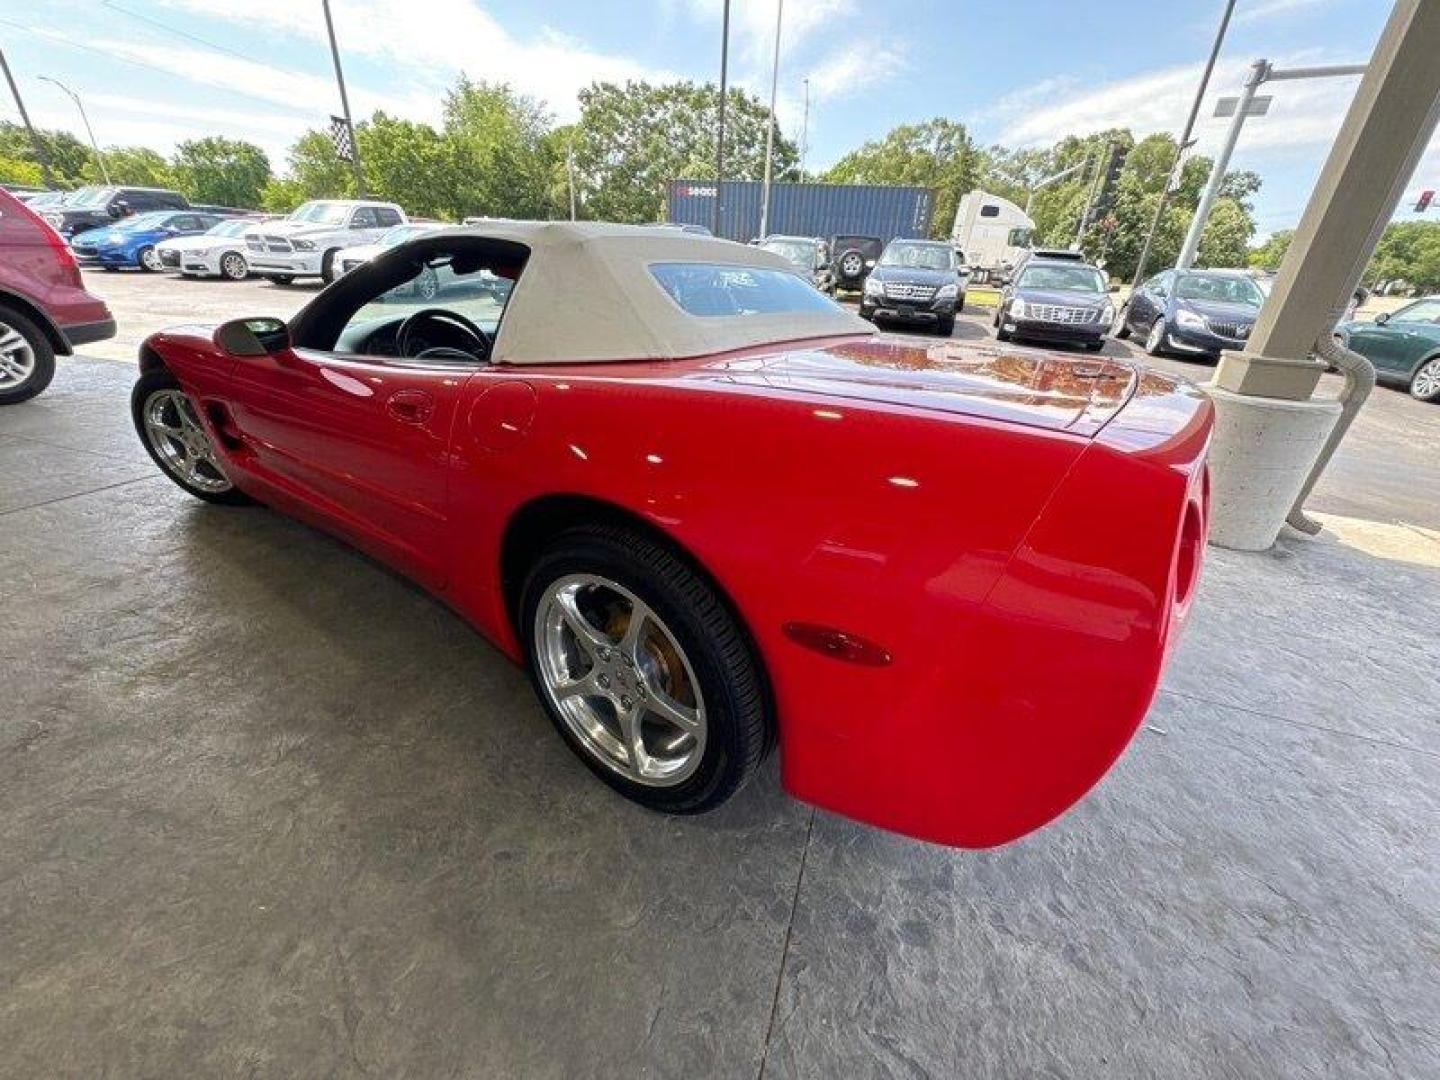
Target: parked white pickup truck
305,243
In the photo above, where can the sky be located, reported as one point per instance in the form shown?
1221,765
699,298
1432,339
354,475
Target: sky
1017,72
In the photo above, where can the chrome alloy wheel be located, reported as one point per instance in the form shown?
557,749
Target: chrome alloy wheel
150,260
1425,385
619,679
17,357
1155,340
233,266
180,442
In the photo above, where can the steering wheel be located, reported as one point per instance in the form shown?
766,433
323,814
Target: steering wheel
444,324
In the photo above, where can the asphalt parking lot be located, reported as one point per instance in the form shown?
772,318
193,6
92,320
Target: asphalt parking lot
268,810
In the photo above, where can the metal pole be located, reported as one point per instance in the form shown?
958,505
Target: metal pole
770,127
720,130
1258,73
345,102
35,142
570,174
1090,197
99,157
1047,181
1182,145
805,131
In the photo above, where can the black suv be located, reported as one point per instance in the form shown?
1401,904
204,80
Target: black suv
1060,300
852,259
915,281
92,207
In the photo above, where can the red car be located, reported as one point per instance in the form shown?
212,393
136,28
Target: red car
44,308
711,510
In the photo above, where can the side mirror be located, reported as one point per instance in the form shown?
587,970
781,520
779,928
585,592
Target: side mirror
253,337
1382,318
119,208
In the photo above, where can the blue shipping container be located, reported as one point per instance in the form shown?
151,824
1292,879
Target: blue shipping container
804,209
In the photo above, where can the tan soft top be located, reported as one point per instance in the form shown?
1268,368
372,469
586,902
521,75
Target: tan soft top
587,295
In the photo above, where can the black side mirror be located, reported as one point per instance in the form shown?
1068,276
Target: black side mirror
119,208
1382,318
253,337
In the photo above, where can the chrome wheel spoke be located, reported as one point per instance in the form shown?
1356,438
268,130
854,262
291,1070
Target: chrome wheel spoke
667,708
634,632
583,686
589,638
632,737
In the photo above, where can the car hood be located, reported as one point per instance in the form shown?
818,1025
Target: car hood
1059,393
1063,297
914,275
1219,309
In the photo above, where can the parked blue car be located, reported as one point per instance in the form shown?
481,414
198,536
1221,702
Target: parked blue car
131,242
1193,312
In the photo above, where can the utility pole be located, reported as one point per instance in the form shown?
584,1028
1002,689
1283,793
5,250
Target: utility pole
1172,181
1104,160
570,174
99,157
720,132
344,102
35,142
805,131
770,127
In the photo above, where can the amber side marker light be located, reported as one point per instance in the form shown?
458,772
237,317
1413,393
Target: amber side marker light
837,644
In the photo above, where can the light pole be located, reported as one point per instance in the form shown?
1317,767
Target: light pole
770,127
1172,181
99,157
1047,181
720,129
1247,105
805,131
345,102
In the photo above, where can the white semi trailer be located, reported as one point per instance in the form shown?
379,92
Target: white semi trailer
992,232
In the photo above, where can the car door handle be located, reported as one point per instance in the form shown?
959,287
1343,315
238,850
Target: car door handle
410,406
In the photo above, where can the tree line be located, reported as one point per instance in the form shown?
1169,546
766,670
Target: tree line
499,153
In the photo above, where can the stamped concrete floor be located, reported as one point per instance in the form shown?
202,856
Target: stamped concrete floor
268,811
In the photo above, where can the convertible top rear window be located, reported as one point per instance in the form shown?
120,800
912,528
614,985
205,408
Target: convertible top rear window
715,290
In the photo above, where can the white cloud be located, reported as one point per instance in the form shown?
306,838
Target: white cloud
1266,9
432,42
752,25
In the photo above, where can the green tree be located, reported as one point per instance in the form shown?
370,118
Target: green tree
937,154
226,172
15,170
1226,239
317,171
1408,251
632,140
136,165
69,158
1268,256
499,142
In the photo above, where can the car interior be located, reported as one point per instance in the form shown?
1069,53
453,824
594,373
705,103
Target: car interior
378,309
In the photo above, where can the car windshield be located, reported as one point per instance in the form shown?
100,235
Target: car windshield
88,198
232,227
919,256
715,291
1062,278
321,213
799,252
400,233
140,222
1224,288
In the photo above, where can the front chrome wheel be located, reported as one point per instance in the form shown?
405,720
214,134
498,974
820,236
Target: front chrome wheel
233,266
619,680
150,260
1155,340
1426,384
17,358
180,442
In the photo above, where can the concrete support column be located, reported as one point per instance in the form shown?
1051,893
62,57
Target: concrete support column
1270,437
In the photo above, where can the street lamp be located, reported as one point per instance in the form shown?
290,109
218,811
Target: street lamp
1240,109
99,157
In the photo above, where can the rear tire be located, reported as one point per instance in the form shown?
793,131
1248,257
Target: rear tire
169,427
279,279
27,359
327,266
689,633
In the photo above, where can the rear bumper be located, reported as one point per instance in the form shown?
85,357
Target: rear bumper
84,333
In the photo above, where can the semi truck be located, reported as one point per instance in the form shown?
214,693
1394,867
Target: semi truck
993,233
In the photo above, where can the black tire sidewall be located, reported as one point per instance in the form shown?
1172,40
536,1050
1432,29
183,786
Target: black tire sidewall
730,690
147,384
44,351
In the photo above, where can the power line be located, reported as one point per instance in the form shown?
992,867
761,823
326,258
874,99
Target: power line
189,36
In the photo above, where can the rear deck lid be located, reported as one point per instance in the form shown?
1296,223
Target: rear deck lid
1045,390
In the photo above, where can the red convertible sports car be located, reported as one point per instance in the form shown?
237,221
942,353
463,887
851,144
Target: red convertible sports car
710,510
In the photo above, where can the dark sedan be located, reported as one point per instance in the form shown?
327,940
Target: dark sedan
1055,300
1403,346
915,281
1193,312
